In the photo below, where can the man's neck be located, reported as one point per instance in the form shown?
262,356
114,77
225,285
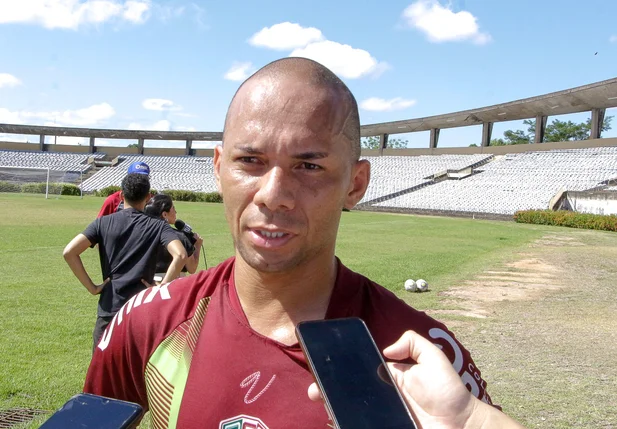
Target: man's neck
275,302
136,206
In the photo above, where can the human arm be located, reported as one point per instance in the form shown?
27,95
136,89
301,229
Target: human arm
178,254
434,391
192,262
71,254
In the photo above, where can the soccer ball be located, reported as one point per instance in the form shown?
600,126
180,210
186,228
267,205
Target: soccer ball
410,285
421,285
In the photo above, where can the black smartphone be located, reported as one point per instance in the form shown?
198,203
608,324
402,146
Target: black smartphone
355,382
95,412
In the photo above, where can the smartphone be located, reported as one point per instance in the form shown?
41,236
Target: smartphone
88,411
355,382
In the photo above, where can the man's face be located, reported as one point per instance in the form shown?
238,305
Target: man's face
285,172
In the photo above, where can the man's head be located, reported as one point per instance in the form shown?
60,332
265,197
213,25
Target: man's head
289,164
139,168
136,189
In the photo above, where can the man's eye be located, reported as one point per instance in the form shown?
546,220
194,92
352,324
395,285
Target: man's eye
309,166
248,159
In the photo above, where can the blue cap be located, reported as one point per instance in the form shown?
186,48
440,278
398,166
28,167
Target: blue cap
139,168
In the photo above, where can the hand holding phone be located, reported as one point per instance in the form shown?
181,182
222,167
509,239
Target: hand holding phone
356,385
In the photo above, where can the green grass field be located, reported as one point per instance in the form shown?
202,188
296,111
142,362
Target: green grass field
46,316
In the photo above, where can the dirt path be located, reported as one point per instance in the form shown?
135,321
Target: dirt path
543,327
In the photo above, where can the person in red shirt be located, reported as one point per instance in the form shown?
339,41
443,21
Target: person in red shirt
218,349
114,202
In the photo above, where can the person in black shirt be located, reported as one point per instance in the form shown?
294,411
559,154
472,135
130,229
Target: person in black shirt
128,242
162,206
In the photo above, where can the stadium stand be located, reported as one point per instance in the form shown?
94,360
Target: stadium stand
514,182
391,175
77,162
166,172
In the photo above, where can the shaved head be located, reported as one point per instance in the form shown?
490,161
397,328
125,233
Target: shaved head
331,96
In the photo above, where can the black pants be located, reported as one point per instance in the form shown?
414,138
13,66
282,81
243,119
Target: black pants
99,329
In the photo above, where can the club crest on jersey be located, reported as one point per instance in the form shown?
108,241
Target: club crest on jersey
242,422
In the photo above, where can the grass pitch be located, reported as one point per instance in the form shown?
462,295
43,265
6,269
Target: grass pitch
46,316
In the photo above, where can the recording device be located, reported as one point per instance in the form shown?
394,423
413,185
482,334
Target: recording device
352,376
186,229
95,412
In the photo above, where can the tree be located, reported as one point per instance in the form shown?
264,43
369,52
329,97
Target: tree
556,131
133,145
372,142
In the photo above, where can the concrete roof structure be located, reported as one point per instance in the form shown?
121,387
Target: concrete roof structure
599,95
595,97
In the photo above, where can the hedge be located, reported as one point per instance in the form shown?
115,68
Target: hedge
105,192
41,188
203,197
568,219
9,187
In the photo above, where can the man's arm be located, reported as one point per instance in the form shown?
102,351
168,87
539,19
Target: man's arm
72,252
178,253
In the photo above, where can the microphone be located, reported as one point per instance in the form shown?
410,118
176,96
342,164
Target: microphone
186,229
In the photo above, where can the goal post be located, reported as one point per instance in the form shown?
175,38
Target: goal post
45,181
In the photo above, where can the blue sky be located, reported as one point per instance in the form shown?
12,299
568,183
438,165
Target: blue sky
175,64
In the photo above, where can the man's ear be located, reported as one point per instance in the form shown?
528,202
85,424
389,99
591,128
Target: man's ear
360,177
218,154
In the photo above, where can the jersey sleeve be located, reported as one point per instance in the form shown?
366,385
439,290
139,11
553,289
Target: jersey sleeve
168,234
109,205
121,358
92,231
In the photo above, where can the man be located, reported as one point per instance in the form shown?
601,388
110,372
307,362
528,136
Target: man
113,202
218,349
128,243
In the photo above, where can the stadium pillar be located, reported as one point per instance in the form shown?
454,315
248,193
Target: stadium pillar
42,142
92,148
434,138
140,146
540,128
383,143
597,119
487,130
189,145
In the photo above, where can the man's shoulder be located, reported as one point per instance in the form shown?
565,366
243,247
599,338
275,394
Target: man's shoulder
157,311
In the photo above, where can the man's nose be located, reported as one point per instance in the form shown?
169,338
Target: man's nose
276,190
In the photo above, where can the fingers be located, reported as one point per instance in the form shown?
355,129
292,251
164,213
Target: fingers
313,393
411,345
145,283
107,280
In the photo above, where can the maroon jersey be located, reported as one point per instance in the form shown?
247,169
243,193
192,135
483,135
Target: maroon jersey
186,352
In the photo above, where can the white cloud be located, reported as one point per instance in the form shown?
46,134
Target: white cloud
162,125
160,104
239,71
8,80
88,116
375,104
613,39
441,24
343,60
285,36
71,14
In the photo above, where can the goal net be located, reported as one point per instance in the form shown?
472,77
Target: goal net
44,181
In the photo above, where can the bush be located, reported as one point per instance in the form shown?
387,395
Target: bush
34,188
202,197
10,187
568,219
105,192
